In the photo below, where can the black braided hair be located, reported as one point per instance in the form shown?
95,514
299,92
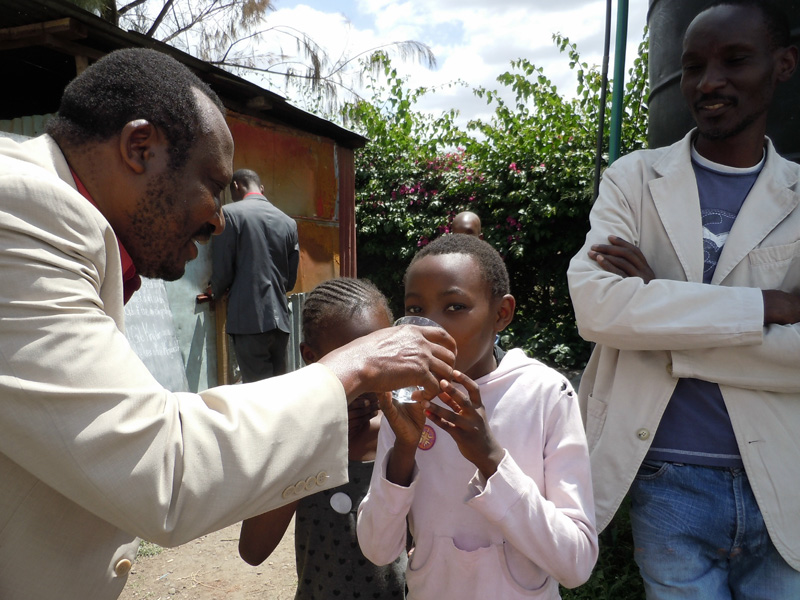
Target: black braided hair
337,300
490,263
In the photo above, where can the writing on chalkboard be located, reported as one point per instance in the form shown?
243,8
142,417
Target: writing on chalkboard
151,333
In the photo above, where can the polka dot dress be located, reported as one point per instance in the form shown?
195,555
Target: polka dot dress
329,562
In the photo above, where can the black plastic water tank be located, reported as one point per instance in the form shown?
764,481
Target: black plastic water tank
669,117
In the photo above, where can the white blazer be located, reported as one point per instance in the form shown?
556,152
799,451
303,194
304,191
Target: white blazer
93,451
649,336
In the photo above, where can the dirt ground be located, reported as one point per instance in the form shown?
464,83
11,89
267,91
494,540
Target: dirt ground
209,568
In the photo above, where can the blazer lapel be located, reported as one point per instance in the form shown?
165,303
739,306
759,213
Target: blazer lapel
678,205
768,203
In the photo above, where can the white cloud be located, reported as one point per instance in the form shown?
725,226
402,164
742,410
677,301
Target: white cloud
473,41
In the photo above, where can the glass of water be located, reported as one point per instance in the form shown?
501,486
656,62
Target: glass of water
403,395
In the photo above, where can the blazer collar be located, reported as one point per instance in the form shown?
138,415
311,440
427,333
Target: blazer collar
676,199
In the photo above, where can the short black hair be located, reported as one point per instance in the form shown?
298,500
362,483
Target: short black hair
775,19
338,300
248,177
130,84
491,264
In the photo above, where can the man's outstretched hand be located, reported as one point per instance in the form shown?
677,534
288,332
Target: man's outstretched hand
393,358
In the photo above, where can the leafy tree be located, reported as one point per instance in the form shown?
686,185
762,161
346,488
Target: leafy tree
527,172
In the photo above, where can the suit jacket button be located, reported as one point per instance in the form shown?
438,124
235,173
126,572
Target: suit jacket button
322,477
643,434
299,487
311,482
123,567
288,492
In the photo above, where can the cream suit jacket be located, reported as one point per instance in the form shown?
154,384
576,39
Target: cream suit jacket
93,451
650,335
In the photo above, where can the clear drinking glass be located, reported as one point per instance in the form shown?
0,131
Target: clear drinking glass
403,395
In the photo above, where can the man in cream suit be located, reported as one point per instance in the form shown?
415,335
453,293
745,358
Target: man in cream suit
94,453
689,284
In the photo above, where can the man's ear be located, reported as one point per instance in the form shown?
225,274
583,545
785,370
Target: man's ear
505,312
787,63
136,144
308,354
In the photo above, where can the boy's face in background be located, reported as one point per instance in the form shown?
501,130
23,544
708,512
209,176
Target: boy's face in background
449,289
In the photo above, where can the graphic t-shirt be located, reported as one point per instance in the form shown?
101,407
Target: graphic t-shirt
696,428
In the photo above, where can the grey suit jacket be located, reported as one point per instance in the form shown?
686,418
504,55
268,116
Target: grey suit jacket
256,256
93,451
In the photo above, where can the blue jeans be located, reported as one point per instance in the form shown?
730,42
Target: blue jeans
698,533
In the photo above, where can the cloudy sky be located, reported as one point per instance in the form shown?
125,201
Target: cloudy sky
472,40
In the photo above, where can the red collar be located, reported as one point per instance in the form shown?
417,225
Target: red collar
130,279
252,194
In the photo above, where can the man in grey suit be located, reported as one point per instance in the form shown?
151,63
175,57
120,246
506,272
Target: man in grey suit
255,259
94,453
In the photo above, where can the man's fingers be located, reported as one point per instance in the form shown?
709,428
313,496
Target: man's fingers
621,258
431,387
444,346
607,264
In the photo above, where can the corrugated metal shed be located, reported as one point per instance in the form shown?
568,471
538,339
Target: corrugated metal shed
39,40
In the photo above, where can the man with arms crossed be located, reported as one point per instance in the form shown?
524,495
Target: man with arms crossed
93,451
688,284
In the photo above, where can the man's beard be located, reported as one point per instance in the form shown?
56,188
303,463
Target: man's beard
150,240
719,134
713,133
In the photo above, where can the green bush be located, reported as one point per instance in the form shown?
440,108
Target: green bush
528,173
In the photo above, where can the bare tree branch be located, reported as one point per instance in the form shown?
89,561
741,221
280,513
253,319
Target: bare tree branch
159,18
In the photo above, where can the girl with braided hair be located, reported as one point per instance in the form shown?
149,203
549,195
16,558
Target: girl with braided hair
329,561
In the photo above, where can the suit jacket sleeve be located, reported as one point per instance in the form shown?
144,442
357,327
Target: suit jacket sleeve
770,366
83,415
293,252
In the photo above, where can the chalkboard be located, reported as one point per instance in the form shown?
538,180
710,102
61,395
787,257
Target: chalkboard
151,333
